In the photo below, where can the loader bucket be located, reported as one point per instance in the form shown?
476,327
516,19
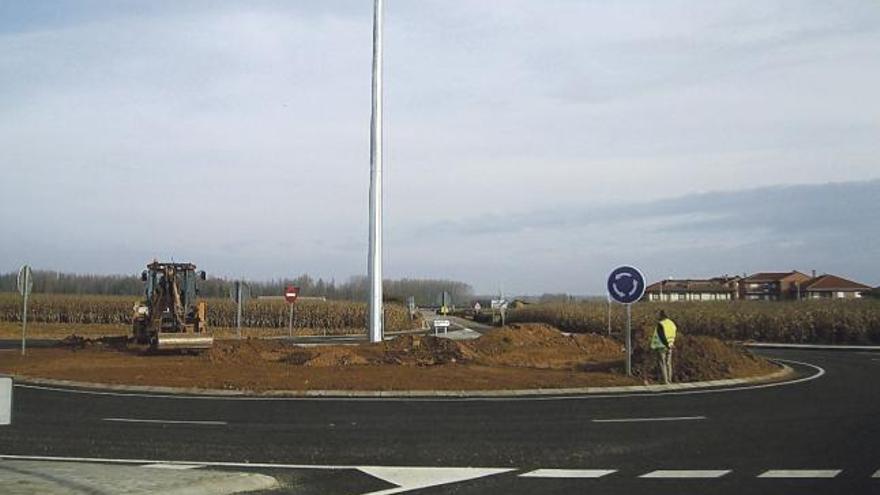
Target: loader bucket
183,341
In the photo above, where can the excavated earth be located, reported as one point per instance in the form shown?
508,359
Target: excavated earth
525,356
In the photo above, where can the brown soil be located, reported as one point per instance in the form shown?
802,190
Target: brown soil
542,346
12,330
517,357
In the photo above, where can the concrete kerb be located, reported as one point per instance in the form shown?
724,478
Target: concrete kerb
813,347
785,372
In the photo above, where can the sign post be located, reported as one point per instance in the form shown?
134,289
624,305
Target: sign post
25,283
290,294
238,293
444,324
499,306
411,305
626,285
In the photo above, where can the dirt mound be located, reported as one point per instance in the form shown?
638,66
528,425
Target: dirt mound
246,352
403,350
542,346
336,356
74,341
422,351
698,358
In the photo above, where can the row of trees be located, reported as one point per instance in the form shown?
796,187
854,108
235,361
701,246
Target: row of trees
425,291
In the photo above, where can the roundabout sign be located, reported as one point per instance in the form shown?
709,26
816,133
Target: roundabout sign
626,285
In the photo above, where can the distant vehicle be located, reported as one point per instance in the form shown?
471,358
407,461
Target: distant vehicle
170,317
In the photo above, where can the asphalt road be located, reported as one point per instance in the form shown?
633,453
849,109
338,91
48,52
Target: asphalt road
826,430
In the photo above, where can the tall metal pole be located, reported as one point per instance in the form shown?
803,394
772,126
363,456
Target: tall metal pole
375,256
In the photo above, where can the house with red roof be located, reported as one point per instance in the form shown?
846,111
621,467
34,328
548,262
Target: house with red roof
773,286
722,288
833,287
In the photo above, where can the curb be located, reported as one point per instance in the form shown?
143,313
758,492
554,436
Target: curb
783,373
817,347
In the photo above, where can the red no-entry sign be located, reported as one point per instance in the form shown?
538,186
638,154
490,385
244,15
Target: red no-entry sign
291,293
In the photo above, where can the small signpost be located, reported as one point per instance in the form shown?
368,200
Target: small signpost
239,293
290,294
444,324
626,285
411,305
25,283
5,400
499,306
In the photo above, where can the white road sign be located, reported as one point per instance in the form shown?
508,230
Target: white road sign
5,400
25,282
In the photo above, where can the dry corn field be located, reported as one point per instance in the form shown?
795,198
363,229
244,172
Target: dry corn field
87,309
815,322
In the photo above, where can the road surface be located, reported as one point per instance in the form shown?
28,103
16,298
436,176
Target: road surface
821,435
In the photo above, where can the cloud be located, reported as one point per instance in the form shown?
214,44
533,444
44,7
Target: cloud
237,133
828,227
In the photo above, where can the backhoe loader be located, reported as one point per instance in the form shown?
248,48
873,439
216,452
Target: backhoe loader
170,317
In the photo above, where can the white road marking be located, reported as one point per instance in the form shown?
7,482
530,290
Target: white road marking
327,467
645,420
568,473
165,421
877,474
686,474
800,473
174,466
413,478
820,373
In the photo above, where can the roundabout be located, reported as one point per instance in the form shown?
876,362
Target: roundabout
816,433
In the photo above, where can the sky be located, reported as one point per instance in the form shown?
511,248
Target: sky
531,145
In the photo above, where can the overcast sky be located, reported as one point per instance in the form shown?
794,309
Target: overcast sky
531,144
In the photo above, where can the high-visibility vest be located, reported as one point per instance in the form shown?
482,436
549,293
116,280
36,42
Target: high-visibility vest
669,330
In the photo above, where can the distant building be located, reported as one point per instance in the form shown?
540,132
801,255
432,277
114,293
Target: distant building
832,287
713,289
772,286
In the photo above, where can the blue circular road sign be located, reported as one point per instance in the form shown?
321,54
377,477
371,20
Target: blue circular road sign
626,284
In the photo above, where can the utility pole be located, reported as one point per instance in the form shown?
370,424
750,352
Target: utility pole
375,255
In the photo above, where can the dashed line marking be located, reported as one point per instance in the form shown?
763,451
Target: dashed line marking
686,473
176,467
646,420
800,473
165,421
568,473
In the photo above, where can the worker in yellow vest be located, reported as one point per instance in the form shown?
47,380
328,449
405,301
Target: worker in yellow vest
663,342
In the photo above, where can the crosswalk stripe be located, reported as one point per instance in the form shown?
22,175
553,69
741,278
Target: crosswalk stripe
800,473
568,473
686,473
